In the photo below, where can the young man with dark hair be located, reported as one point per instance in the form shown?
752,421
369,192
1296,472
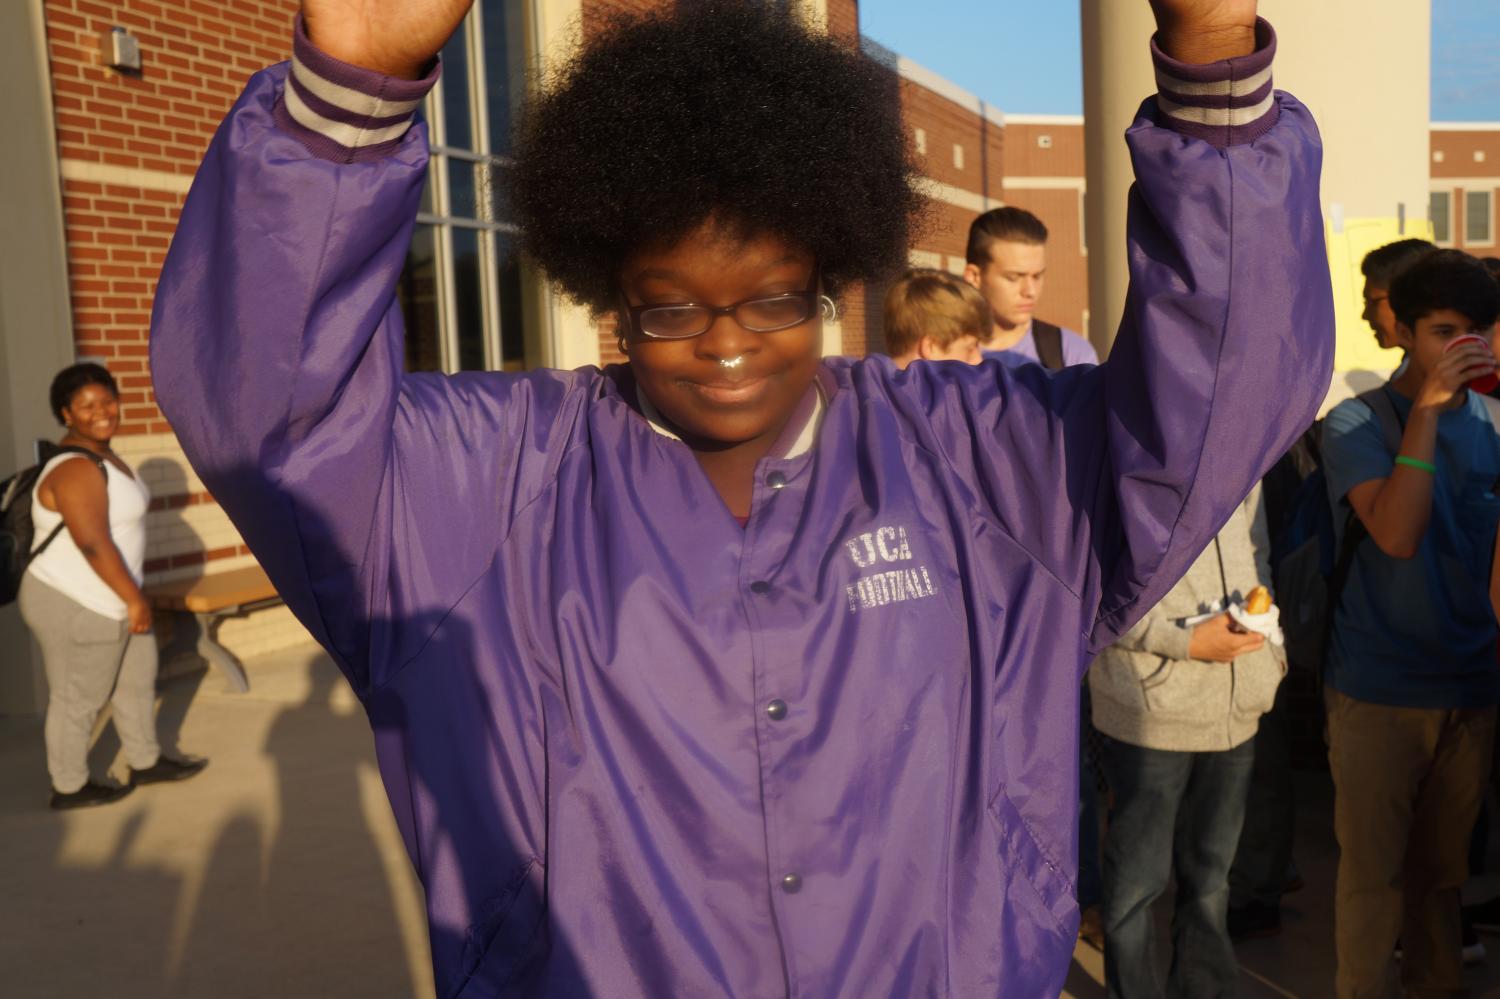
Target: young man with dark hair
1411,675
1380,267
1007,262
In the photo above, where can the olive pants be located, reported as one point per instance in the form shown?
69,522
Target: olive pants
1407,787
91,660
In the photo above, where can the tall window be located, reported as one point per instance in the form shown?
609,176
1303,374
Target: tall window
1479,218
1440,210
461,289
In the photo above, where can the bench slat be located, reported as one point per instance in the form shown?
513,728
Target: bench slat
206,594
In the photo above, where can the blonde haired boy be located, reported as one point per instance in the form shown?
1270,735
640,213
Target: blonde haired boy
933,316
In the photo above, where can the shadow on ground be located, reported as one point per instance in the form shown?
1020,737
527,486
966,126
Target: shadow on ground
276,872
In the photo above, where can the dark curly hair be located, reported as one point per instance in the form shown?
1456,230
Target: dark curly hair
1445,279
71,380
721,109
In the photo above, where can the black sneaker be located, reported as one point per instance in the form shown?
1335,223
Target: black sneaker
1254,919
1484,916
92,793
168,768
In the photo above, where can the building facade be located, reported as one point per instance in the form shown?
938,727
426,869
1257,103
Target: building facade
1465,183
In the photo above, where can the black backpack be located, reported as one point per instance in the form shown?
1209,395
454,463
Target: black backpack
17,533
1309,567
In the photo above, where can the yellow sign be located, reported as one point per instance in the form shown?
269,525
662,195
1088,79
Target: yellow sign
1357,349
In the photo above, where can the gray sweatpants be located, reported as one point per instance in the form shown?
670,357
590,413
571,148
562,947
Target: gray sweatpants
90,659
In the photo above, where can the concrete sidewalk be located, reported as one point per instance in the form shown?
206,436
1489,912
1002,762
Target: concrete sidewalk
276,872
279,871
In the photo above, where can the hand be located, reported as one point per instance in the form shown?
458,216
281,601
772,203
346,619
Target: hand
1220,640
1203,31
392,37
139,612
1454,370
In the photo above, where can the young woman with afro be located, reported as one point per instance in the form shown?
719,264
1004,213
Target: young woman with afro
733,670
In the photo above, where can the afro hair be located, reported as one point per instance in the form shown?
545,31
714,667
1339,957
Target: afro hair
722,110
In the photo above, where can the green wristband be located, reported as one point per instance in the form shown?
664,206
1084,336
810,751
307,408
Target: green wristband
1425,466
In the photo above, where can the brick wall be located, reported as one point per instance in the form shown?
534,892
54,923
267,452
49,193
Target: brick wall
1043,150
962,149
129,144
843,20
1044,173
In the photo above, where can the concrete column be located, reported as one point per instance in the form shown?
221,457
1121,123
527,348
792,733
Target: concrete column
36,321
1364,72
1117,76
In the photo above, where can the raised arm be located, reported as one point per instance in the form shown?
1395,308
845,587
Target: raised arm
373,499
1225,349
1115,478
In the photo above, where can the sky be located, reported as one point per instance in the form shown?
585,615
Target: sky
1022,55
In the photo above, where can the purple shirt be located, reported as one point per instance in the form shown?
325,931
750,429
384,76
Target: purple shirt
636,750
1075,349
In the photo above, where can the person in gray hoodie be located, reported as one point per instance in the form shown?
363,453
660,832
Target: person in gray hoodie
1178,700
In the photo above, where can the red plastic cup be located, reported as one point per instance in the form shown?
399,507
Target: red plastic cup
1485,384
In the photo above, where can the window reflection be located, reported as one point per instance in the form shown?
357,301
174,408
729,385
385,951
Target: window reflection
469,314
508,262
461,200
457,125
464,308
503,66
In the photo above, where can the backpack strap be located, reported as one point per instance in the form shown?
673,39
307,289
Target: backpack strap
52,451
1392,429
1048,345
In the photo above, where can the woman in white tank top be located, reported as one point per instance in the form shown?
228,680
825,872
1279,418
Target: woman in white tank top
81,597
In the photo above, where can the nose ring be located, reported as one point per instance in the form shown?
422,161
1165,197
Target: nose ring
732,363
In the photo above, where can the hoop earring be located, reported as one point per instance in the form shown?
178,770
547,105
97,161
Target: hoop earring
828,307
620,343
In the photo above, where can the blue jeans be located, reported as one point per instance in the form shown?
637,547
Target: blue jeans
1174,814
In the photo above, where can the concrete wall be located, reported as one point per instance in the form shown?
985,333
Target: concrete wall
36,335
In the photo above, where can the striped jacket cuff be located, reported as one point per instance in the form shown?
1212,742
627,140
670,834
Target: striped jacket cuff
342,112
1224,103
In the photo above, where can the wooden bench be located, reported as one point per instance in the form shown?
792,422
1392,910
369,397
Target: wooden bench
201,603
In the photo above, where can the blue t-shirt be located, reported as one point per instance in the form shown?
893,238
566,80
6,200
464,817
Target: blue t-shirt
1075,350
1419,632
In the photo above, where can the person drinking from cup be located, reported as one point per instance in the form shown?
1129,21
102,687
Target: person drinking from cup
1412,682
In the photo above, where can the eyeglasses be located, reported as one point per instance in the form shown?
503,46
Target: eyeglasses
767,314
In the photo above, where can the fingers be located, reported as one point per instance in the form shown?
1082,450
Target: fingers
1469,353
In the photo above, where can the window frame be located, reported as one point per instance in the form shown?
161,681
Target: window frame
444,221
1489,217
1446,192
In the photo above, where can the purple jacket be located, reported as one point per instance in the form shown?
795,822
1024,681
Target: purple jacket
636,750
